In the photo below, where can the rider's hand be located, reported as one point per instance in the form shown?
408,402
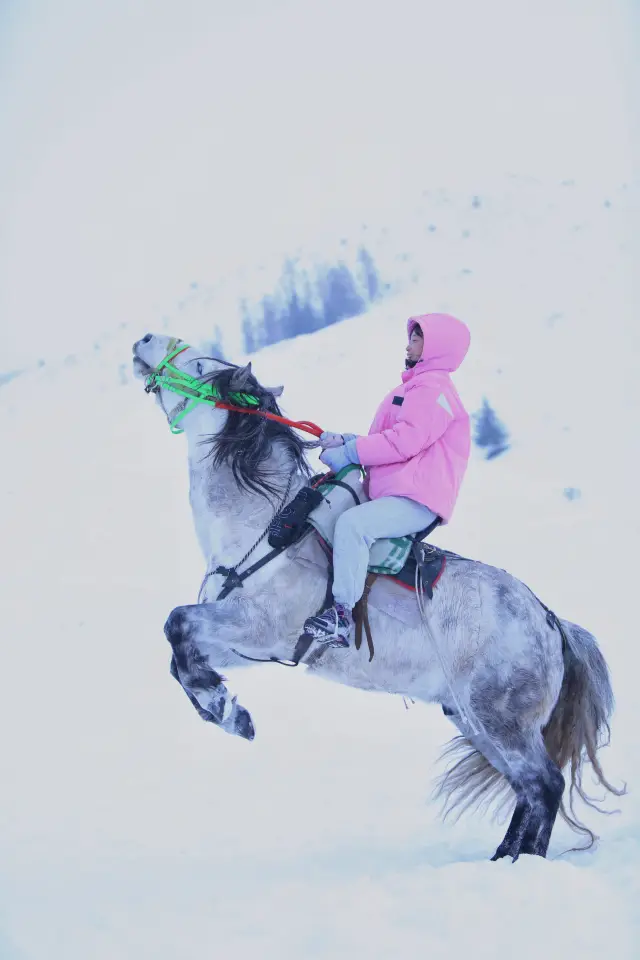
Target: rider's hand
340,456
336,458
329,440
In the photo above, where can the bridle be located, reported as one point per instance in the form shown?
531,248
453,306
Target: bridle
166,376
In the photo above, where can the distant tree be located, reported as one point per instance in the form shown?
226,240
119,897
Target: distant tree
370,275
272,322
489,432
339,295
303,302
298,315
248,333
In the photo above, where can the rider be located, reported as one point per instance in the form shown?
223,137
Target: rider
416,453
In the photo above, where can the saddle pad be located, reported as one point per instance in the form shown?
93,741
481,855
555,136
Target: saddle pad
432,563
386,595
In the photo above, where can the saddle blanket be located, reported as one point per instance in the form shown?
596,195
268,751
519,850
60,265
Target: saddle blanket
386,595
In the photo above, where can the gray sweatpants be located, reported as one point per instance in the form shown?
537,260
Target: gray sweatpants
356,531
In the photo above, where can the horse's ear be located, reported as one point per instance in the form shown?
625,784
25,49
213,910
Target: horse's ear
275,391
240,377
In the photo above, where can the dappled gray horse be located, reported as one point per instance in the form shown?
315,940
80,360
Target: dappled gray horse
529,693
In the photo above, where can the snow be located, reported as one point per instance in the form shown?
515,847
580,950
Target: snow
129,828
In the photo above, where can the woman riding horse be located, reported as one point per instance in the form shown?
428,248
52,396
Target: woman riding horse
416,456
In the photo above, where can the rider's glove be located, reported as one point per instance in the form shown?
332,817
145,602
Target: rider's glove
338,457
329,440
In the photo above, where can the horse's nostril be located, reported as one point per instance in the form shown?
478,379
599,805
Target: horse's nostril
146,338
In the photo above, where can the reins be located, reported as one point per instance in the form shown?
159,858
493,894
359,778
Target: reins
307,425
177,381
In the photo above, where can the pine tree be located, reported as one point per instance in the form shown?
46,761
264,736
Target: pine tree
489,432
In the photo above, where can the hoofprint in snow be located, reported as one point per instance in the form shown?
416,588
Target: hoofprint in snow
530,694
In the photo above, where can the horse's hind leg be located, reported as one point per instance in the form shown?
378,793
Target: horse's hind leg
539,786
485,746
543,783
537,782
510,846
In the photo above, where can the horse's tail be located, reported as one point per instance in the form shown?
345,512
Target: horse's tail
579,723
577,728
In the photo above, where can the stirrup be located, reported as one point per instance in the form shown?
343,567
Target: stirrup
316,627
332,640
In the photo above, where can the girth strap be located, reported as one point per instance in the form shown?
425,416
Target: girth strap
304,640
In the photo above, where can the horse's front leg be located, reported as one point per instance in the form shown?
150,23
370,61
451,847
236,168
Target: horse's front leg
200,636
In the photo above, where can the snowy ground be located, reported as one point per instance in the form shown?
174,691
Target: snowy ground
145,155
129,828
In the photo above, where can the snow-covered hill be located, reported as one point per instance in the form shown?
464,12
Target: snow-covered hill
129,827
159,165
147,149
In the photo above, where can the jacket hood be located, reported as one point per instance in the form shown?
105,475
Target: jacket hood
446,341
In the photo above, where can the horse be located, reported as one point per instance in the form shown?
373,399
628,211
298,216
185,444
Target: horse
529,693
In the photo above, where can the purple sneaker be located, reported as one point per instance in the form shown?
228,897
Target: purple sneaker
334,626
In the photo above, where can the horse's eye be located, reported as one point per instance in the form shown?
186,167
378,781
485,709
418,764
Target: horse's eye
199,368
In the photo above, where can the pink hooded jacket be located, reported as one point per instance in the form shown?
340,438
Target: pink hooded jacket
420,439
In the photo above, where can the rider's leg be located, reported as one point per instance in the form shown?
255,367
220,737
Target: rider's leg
355,532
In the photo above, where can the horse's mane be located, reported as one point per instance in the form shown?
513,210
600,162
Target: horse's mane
246,443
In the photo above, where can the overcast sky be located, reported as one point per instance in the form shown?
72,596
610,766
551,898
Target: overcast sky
145,145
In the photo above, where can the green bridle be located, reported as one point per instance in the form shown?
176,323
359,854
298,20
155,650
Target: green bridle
166,376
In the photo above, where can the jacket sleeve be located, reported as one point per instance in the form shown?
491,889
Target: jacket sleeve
423,419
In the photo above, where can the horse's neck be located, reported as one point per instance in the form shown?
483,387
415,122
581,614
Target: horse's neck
229,520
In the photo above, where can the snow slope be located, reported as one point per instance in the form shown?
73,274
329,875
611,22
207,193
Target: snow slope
129,828
149,146
143,154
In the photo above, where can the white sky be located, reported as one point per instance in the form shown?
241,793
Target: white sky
146,145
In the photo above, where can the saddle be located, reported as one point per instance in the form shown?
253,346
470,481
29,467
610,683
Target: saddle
425,561
405,560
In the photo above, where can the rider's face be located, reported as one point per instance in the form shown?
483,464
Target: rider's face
415,346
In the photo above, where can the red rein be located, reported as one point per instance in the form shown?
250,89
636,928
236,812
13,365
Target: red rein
305,425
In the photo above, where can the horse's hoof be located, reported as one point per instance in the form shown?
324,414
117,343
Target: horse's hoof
238,722
501,853
244,724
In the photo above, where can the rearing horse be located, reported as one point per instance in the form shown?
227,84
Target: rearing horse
530,693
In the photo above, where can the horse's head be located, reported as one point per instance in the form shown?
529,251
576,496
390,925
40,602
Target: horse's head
185,380
182,378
